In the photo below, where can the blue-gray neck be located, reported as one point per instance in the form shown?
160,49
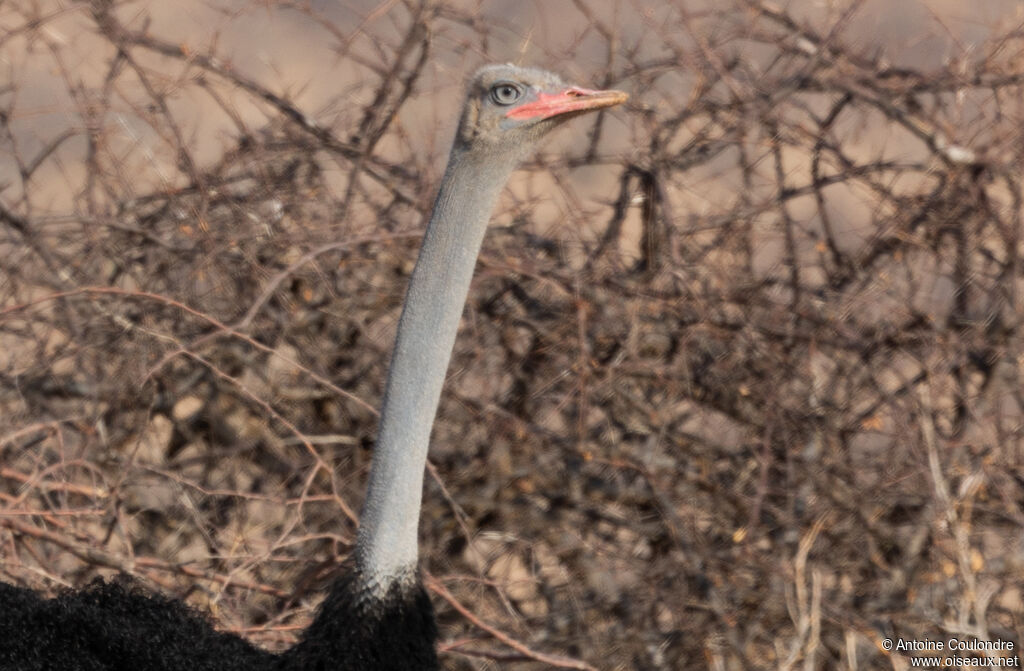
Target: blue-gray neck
386,547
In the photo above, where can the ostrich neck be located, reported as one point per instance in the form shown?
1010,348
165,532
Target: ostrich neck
386,547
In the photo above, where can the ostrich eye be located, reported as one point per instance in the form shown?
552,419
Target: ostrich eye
505,93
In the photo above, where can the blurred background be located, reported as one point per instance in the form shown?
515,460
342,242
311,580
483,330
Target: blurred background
739,383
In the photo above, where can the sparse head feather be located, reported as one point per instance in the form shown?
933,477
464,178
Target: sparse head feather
489,75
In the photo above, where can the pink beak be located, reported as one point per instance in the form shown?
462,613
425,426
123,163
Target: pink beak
573,99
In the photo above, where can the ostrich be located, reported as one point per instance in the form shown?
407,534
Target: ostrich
377,615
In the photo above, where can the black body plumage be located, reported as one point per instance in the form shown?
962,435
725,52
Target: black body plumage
117,626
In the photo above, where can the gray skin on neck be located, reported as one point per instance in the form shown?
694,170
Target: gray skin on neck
487,147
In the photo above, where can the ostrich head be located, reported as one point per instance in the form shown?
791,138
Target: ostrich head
509,109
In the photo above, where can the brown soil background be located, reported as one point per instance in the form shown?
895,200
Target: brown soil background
739,384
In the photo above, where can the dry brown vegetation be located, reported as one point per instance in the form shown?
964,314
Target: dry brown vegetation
739,384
